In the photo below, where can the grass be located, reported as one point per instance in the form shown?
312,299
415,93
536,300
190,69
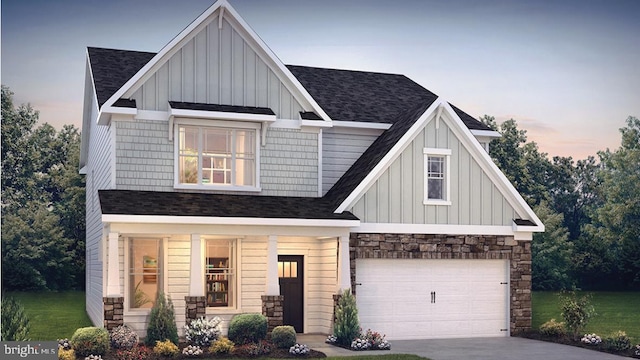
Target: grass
614,311
53,315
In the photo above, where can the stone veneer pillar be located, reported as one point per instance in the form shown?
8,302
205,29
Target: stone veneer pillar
113,311
195,307
272,308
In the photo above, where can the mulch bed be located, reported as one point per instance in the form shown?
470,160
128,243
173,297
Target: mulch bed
565,340
275,353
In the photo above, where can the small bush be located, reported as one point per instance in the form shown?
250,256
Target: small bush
360,344
162,321
123,337
553,329
248,328
252,350
347,326
376,340
15,323
66,354
64,344
166,348
222,346
299,350
192,350
576,311
591,339
90,341
618,341
203,332
97,357
136,353
283,337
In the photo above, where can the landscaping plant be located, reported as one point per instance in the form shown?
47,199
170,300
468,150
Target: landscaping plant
136,353
66,354
192,350
252,350
576,311
203,332
166,348
90,341
222,346
15,323
552,328
248,328
162,321
618,341
299,350
591,339
347,326
123,337
283,337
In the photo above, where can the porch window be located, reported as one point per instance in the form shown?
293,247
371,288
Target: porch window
217,157
220,274
145,272
437,177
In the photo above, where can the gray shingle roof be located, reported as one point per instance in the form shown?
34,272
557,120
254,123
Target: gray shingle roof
221,108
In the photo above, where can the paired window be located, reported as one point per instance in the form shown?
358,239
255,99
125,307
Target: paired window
437,176
220,274
145,272
217,156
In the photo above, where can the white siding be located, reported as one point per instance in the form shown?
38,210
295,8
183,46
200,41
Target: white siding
397,196
340,149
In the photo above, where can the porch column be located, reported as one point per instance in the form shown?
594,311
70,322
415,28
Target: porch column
344,267
273,285
195,303
113,266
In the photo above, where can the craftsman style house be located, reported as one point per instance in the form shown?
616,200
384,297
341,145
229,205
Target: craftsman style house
234,183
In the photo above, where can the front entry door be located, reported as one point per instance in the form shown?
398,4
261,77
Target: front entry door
291,286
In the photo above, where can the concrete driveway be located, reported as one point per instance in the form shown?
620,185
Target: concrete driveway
476,348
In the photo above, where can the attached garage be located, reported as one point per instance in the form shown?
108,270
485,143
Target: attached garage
433,298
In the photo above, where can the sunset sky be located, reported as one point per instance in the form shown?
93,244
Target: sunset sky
567,71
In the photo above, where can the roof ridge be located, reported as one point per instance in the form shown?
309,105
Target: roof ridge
349,70
125,50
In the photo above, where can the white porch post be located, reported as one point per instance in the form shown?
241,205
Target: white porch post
273,285
113,265
344,264
196,269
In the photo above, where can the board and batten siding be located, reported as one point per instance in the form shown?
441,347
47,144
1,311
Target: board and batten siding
98,177
217,66
397,196
144,159
340,149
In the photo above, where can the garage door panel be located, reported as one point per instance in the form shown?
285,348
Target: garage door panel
395,298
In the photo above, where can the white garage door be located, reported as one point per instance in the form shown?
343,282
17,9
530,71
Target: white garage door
422,299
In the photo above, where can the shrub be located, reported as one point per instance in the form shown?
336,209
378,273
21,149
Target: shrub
251,350
283,337
299,350
591,339
376,340
618,341
347,327
166,348
162,321
15,323
576,311
123,337
66,354
248,328
64,344
222,346
192,350
203,332
553,329
360,344
136,353
90,341
96,357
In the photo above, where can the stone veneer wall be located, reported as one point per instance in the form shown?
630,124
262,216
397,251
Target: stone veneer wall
195,308
424,246
113,312
272,308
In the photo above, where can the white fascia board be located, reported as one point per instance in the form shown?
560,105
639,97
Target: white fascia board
441,229
361,125
490,168
524,228
222,115
315,123
486,133
391,156
204,220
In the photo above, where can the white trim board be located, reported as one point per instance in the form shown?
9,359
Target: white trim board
204,220
441,229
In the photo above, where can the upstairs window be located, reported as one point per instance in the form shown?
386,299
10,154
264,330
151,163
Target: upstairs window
217,157
437,177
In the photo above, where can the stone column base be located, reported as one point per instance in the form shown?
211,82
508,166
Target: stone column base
113,312
195,308
272,308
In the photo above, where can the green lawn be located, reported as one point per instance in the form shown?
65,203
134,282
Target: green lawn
614,311
53,315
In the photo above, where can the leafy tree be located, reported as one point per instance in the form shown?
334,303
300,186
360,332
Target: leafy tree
552,253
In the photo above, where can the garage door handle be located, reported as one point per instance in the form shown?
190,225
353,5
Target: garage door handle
433,297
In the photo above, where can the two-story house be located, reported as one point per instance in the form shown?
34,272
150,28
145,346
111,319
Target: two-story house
234,183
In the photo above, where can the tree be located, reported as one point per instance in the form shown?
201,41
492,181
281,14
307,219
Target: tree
552,253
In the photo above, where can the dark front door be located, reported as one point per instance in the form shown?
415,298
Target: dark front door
291,286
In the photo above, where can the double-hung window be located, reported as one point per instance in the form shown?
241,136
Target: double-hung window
220,274
437,190
217,157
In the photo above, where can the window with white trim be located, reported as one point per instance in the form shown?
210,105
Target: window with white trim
145,272
217,157
220,273
437,190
